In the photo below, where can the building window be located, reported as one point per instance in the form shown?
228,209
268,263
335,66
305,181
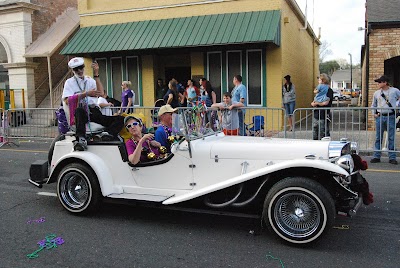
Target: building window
233,67
132,74
348,85
339,85
254,77
103,72
116,77
214,71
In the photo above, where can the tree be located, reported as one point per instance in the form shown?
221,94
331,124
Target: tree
343,64
324,50
329,67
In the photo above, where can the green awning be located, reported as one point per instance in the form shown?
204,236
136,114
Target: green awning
210,30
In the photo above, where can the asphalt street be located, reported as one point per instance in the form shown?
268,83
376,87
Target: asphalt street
135,236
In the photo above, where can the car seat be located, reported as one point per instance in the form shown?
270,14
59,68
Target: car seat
91,127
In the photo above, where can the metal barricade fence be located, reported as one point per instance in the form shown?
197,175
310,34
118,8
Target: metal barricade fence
356,124
33,123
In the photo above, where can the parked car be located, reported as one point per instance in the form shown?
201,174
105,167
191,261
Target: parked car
297,187
337,95
355,92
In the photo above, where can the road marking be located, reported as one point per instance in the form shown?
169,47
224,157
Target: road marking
24,151
384,170
47,194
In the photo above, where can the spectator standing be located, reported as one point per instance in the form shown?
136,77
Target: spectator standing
239,94
209,98
230,117
160,89
202,83
398,116
80,96
191,93
173,97
289,99
321,117
127,98
384,100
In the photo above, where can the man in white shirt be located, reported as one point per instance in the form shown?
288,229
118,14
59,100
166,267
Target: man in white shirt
81,95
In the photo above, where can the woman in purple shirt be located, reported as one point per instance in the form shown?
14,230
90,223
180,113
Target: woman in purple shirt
126,97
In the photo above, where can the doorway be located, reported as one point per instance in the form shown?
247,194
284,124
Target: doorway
181,74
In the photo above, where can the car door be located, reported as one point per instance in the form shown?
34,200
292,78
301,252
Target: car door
176,174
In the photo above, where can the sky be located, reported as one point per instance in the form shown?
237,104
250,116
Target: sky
339,21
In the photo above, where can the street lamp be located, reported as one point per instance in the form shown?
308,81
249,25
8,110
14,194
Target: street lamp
351,75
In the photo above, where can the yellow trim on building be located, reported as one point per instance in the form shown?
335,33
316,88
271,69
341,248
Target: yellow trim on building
148,83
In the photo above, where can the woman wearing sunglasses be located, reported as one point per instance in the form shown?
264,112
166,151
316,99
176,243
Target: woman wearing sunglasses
140,148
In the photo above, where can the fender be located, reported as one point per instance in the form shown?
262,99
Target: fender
99,167
319,164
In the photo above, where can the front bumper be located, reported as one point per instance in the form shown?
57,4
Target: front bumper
39,172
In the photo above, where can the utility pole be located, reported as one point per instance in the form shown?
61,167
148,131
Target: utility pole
351,75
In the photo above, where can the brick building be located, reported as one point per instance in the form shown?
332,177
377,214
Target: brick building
31,34
381,52
145,40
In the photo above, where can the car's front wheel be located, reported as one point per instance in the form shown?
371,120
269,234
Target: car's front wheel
78,189
298,210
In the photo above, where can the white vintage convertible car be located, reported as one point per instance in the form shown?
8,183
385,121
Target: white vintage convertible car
297,187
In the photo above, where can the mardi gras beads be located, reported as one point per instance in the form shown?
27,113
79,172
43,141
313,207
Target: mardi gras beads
51,241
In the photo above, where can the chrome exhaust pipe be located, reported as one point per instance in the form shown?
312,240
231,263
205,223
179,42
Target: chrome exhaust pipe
35,183
353,211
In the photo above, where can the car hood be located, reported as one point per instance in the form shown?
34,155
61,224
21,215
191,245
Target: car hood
234,147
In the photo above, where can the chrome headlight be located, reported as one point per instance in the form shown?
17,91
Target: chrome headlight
354,148
346,162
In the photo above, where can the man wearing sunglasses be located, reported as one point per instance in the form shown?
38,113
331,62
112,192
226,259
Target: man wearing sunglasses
384,100
80,95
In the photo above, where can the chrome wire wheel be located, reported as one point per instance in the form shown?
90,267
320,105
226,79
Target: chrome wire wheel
297,215
298,210
78,188
74,189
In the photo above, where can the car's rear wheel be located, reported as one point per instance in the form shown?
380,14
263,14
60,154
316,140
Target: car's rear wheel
78,189
298,210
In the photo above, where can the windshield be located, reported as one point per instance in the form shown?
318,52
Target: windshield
195,122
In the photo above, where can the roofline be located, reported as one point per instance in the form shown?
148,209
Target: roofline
383,24
201,2
300,15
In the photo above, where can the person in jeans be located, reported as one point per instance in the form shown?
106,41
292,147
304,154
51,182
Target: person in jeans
321,117
239,94
289,99
384,100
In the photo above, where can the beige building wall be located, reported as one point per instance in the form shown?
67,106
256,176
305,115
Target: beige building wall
297,46
300,57
383,45
100,12
148,82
